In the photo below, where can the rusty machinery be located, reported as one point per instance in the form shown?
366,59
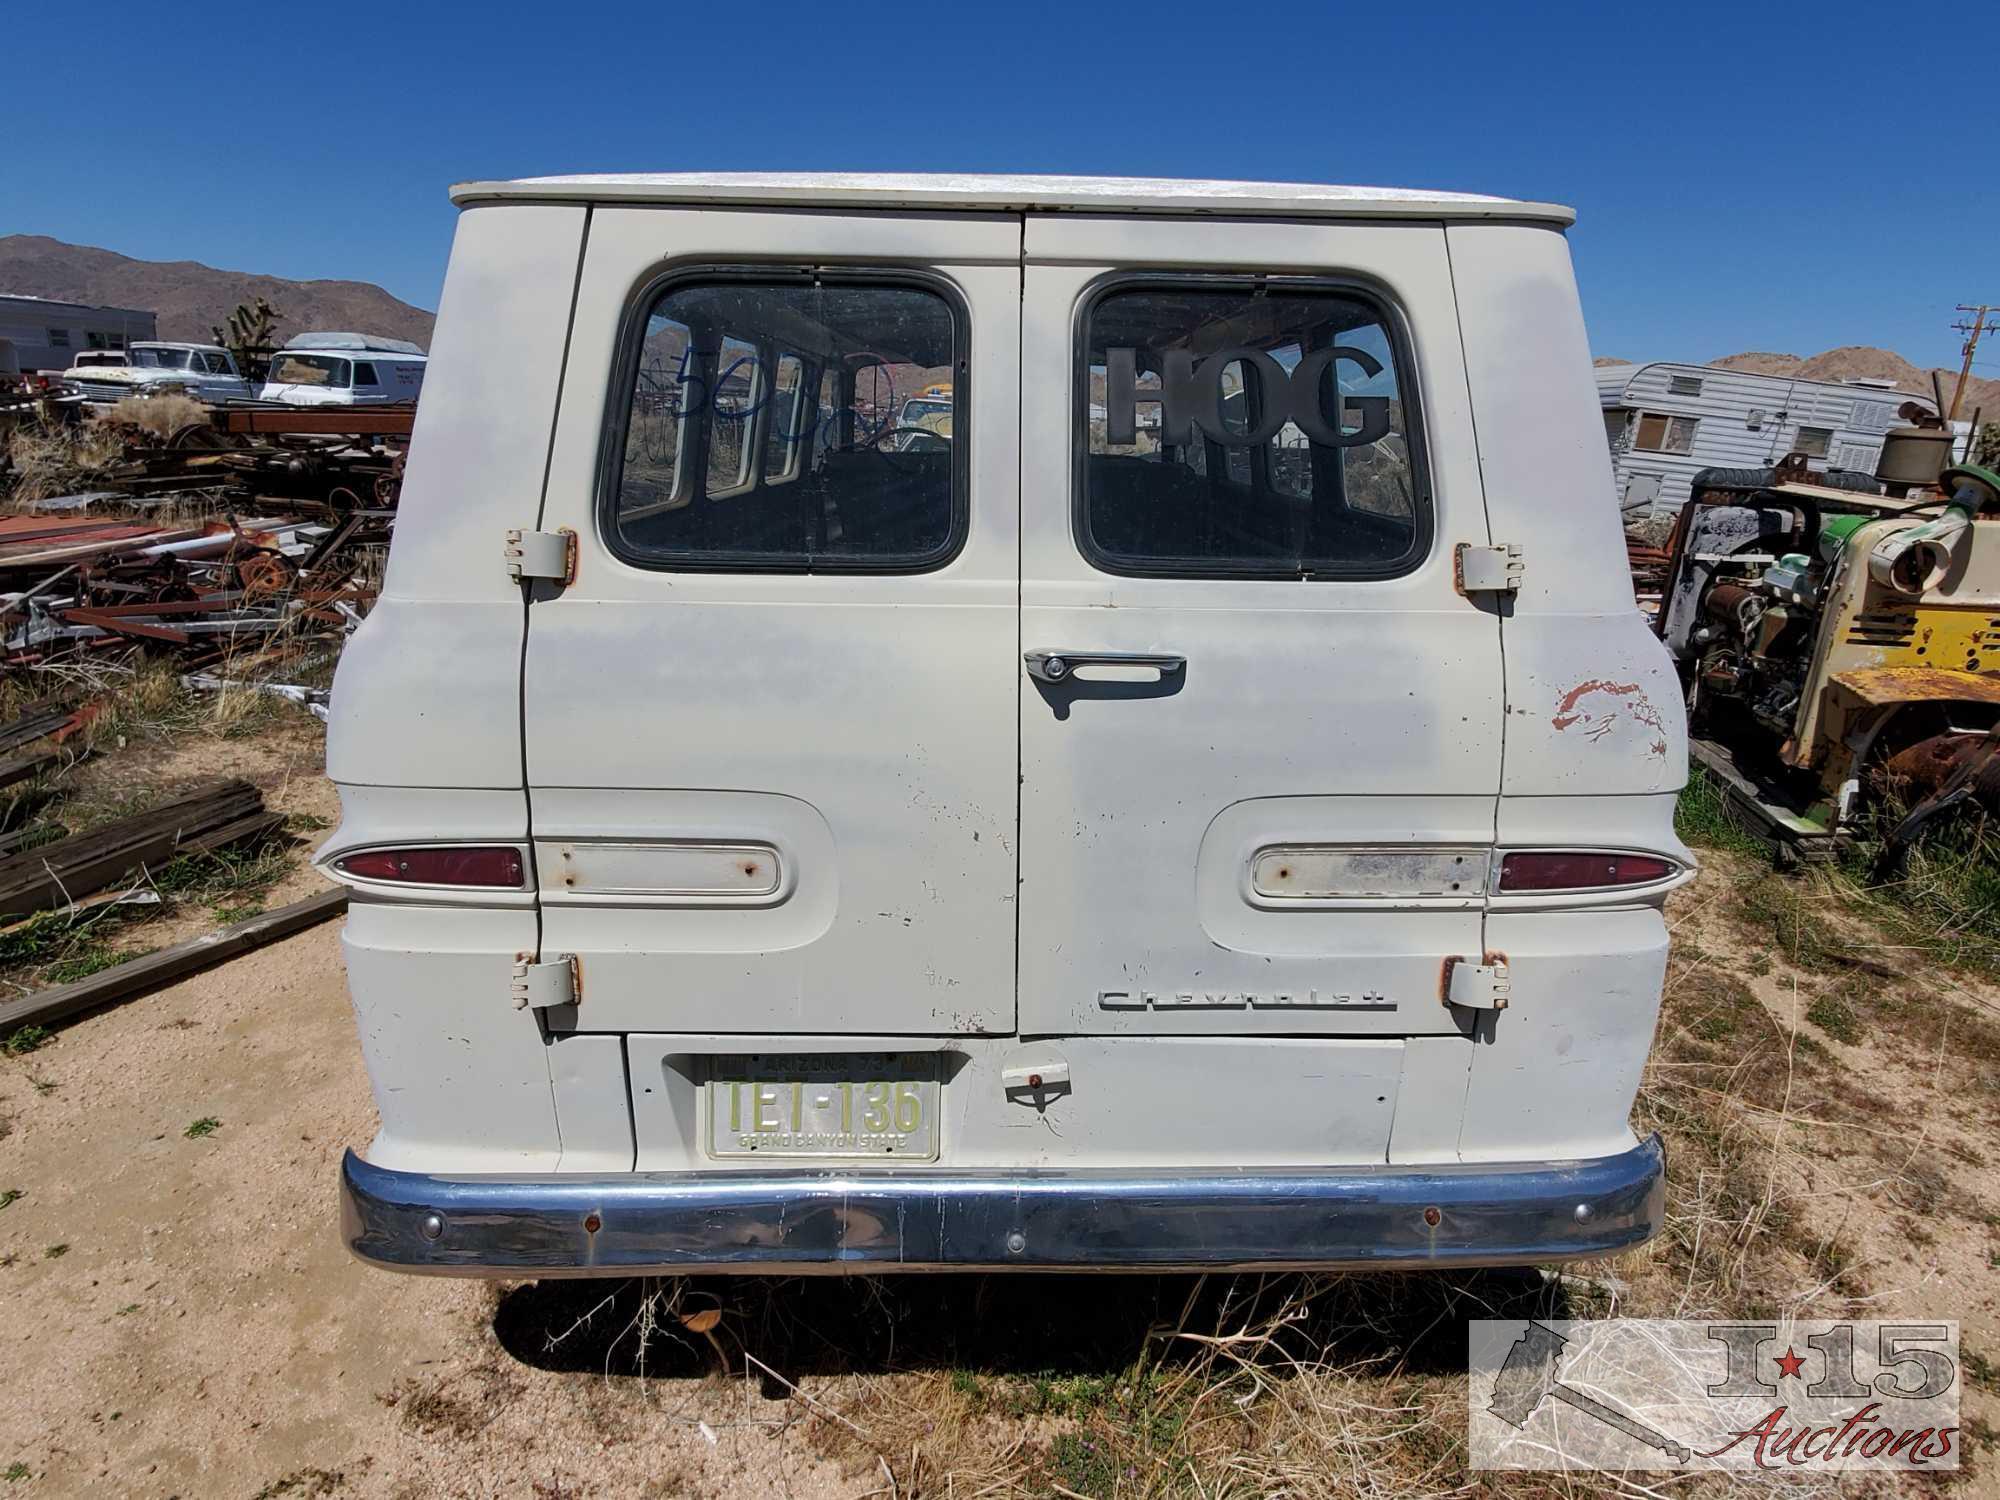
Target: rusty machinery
1842,640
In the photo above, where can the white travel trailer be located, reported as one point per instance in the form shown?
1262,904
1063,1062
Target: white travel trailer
344,369
48,334
1074,842
1666,422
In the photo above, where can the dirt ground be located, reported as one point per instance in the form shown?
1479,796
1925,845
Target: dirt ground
201,1332
177,1317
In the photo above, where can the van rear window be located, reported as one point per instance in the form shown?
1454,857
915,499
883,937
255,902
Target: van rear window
1247,428
816,376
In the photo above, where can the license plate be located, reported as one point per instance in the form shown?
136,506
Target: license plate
854,1104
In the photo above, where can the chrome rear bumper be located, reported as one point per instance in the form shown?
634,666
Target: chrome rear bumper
870,1222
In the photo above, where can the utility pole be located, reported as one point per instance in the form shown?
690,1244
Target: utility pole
1972,332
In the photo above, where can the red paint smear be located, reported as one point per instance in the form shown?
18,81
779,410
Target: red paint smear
1642,710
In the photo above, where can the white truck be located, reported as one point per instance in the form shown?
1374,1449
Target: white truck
1106,837
208,372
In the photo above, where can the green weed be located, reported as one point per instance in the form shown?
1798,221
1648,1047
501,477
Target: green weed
1834,1016
207,1125
241,872
1083,1465
93,961
1704,818
25,1040
12,1195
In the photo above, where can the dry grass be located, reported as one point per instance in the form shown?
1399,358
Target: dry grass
161,416
61,460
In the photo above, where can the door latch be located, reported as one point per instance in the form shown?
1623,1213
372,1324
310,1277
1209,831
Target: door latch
538,986
542,554
1487,570
1477,986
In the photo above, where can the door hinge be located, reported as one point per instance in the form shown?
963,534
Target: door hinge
542,554
537,986
1477,986
1487,570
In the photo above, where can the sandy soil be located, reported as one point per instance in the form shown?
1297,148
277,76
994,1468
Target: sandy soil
1884,1127
205,1334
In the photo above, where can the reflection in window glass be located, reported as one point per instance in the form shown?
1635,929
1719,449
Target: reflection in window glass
790,427
1257,430
737,381
763,430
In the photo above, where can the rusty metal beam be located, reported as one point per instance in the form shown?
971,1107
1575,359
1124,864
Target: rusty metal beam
348,421
119,626
1878,687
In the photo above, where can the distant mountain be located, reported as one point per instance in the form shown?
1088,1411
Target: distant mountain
191,299
1861,362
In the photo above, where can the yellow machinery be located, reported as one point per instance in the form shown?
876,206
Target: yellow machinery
1831,639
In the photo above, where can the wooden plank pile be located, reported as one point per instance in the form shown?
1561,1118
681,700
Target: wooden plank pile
32,741
152,971
215,815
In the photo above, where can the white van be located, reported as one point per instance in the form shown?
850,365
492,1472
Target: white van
344,369
1085,841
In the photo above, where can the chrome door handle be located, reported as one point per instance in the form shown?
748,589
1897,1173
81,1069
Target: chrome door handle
1057,666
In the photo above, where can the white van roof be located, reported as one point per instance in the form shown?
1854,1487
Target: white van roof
348,343
1014,192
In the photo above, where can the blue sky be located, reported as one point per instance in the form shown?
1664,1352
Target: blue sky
1743,178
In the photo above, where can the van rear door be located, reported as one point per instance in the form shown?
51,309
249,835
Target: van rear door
1261,733
770,724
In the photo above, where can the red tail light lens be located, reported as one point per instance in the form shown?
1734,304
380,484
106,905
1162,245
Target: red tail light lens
495,865
1578,870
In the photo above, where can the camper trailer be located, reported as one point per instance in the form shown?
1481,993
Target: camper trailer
1666,422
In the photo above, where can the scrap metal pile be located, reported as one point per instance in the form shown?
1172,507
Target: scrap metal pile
236,539
321,459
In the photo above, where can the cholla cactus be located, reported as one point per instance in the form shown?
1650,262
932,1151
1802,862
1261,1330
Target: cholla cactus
251,336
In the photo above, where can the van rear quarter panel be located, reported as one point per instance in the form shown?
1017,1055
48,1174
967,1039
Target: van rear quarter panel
1596,740
428,691
424,736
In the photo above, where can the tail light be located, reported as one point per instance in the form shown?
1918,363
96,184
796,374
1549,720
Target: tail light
1579,870
490,865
